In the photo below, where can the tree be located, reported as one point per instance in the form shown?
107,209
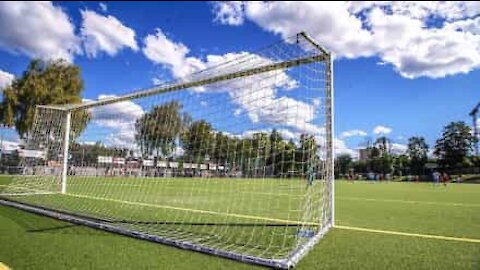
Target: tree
198,140
381,157
288,160
455,144
384,145
343,163
222,147
261,145
401,164
157,131
276,157
43,83
360,166
417,151
307,154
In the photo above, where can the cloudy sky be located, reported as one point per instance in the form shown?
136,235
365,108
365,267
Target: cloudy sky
401,68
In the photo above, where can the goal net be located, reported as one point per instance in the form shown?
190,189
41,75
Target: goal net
234,159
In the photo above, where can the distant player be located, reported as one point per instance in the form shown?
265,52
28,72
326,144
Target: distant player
310,176
351,175
436,177
445,178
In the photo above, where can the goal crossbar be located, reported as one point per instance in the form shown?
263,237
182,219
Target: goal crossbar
184,85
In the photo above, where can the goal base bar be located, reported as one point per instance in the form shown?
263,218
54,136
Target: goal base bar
97,224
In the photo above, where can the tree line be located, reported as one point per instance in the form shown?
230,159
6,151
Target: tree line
451,152
163,129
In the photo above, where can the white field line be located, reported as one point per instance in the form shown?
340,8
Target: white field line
428,236
195,210
106,185
407,201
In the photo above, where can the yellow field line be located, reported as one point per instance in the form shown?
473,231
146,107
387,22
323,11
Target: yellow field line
197,210
407,201
429,236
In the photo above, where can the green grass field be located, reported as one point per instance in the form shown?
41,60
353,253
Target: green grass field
29,241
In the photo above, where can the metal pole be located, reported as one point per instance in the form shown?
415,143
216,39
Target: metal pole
83,154
1,142
475,133
66,141
330,131
473,114
331,136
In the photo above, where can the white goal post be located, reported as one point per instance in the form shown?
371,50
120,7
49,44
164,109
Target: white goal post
234,159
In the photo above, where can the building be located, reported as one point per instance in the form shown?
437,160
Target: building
364,154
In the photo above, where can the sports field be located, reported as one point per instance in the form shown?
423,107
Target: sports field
264,218
380,226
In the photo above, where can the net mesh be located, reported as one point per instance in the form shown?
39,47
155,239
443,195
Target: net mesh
239,162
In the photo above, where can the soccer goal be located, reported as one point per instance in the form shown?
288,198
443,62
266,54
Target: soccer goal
234,159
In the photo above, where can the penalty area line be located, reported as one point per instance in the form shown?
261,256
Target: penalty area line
428,236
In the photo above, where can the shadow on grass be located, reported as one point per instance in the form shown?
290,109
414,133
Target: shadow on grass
51,229
33,223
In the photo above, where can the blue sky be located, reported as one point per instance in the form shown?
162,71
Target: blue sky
401,69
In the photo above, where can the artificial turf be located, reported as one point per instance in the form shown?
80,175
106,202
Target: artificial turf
28,241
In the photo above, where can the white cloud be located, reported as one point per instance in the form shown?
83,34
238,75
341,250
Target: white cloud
382,130
398,33
37,29
119,121
328,22
105,33
161,50
87,142
353,133
5,79
341,149
416,51
447,10
157,81
316,102
103,7
398,148
230,12
116,114
468,25
255,95
203,103
237,112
